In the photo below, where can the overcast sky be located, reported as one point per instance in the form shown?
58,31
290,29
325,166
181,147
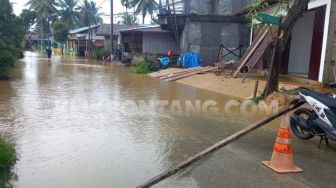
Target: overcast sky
18,5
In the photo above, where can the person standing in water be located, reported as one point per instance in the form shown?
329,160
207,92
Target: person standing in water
49,52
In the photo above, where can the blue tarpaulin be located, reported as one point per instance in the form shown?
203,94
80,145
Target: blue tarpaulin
190,60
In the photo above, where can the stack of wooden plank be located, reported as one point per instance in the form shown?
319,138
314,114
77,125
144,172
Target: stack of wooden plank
183,73
255,51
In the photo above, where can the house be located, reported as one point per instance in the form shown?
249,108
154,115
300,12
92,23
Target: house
202,26
104,30
79,39
311,52
34,41
148,39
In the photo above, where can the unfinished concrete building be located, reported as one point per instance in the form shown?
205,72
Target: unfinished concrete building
201,26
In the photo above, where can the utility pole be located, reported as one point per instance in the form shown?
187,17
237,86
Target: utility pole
112,46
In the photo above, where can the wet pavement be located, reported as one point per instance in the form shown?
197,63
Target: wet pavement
69,131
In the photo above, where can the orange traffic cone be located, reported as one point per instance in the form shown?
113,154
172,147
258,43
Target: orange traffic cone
282,158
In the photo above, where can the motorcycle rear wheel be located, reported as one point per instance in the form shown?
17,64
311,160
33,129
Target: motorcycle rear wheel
297,129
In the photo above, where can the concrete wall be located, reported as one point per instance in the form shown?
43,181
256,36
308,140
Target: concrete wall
159,42
205,37
299,57
215,7
328,74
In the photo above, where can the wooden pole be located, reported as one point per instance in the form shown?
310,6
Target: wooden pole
255,89
216,147
111,34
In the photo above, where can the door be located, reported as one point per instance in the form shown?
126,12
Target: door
317,42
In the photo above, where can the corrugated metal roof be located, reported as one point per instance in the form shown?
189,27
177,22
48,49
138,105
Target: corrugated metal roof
81,29
149,28
105,29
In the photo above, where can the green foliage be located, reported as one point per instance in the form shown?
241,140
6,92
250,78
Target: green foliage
145,66
11,36
141,67
144,7
54,45
7,161
61,32
155,20
68,13
257,99
89,13
259,6
99,54
127,19
29,18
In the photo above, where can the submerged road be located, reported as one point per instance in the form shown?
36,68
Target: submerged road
74,124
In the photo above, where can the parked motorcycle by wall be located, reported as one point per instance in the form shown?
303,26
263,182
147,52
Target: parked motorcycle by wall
319,120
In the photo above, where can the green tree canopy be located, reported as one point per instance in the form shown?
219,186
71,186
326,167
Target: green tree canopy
69,15
89,13
11,36
29,18
145,7
61,32
127,19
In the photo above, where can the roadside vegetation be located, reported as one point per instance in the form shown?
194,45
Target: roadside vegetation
99,54
145,65
7,161
11,36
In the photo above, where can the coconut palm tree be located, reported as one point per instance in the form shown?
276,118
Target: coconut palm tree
69,14
89,15
126,4
144,7
44,9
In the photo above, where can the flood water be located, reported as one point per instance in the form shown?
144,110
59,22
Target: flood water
69,131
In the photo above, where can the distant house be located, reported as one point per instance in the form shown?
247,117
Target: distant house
35,40
79,39
148,39
104,30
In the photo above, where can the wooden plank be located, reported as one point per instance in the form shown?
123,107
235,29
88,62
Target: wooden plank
251,68
253,47
180,73
215,147
258,54
191,74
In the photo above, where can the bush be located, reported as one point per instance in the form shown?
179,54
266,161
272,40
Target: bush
99,54
11,37
54,45
145,66
7,61
7,161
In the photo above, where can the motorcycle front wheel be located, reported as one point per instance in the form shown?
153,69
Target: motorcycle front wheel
304,115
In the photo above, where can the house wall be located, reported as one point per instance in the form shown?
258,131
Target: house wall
215,7
299,57
330,57
205,37
159,42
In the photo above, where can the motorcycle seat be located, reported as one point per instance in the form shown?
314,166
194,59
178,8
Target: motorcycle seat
326,100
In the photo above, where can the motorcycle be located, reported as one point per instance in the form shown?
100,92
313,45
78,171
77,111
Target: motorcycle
319,120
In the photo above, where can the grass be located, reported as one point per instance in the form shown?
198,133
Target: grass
7,161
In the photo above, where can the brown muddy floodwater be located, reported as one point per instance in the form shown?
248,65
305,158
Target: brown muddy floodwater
70,130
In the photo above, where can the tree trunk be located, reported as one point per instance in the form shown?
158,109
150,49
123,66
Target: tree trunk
285,30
